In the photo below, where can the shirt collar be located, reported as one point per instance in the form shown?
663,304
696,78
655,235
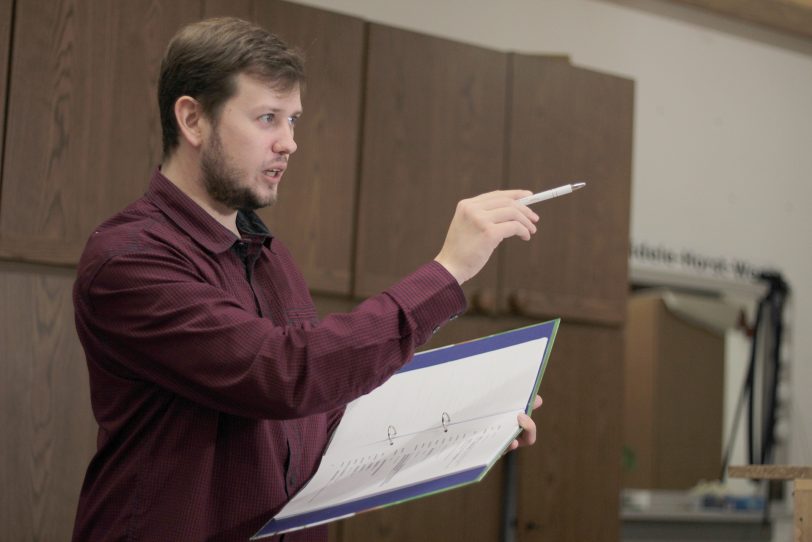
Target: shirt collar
196,222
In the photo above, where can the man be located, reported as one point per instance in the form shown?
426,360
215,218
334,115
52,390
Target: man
214,385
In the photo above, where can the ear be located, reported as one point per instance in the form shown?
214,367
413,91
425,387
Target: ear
191,120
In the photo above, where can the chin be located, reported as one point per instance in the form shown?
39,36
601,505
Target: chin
260,201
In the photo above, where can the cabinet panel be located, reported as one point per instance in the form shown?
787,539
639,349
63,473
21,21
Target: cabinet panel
5,48
83,132
245,9
315,215
433,134
569,482
471,513
570,124
49,430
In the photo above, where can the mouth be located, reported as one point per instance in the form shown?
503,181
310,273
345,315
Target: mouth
274,173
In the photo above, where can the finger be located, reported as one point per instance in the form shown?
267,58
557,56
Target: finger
506,214
511,229
529,429
499,201
513,194
510,209
537,403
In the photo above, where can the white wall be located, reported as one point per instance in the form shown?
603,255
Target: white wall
723,127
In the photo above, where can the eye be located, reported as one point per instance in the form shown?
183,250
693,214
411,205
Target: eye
293,120
267,118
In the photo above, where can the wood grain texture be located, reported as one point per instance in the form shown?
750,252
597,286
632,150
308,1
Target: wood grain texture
48,429
5,49
640,395
245,9
802,503
471,513
315,214
571,124
674,443
770,472
83,128
569,482
433,135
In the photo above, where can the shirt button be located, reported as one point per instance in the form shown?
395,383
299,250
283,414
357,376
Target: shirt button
291,480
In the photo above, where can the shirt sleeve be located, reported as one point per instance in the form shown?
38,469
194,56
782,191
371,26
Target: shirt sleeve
157,321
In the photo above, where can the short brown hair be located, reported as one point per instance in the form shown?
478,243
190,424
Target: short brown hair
204,58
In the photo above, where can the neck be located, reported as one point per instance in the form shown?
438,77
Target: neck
185,174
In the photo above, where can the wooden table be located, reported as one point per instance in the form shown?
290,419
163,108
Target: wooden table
802,491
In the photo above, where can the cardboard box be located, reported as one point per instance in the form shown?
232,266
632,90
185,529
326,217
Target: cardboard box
673,395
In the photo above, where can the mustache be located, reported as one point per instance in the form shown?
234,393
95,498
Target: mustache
276,162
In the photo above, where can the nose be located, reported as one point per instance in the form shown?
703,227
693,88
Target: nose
285,144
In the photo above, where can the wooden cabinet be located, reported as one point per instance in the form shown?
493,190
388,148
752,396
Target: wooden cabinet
315,214
471,513
432,124
571,124
673,443
5,47
83,132
433,135
49,431
569,482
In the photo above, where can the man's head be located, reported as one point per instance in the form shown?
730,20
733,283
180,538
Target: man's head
229,95
203,61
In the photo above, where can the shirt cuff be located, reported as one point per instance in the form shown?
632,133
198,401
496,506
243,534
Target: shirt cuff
429,298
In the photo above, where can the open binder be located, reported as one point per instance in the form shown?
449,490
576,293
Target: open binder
440,422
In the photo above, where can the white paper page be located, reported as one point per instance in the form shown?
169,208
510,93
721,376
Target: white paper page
482,385
382,467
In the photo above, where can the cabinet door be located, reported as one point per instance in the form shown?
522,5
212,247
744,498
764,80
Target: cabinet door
49,434
472,513
315,215
570,124
569,482
83,132
433,135
5,47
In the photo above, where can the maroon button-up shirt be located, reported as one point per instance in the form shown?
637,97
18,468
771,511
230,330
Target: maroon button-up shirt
214,386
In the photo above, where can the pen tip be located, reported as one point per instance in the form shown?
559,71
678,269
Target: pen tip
576,186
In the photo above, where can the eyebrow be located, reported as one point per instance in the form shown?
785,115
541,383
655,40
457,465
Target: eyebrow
275,109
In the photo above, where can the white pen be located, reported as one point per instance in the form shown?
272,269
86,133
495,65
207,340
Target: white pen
553,193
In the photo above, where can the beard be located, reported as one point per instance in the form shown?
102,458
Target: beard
223,179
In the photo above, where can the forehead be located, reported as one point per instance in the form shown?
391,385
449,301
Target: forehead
254,92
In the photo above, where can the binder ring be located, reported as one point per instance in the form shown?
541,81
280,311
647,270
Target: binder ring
391,433
446,421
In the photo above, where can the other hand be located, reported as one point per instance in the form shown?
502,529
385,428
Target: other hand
528,435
